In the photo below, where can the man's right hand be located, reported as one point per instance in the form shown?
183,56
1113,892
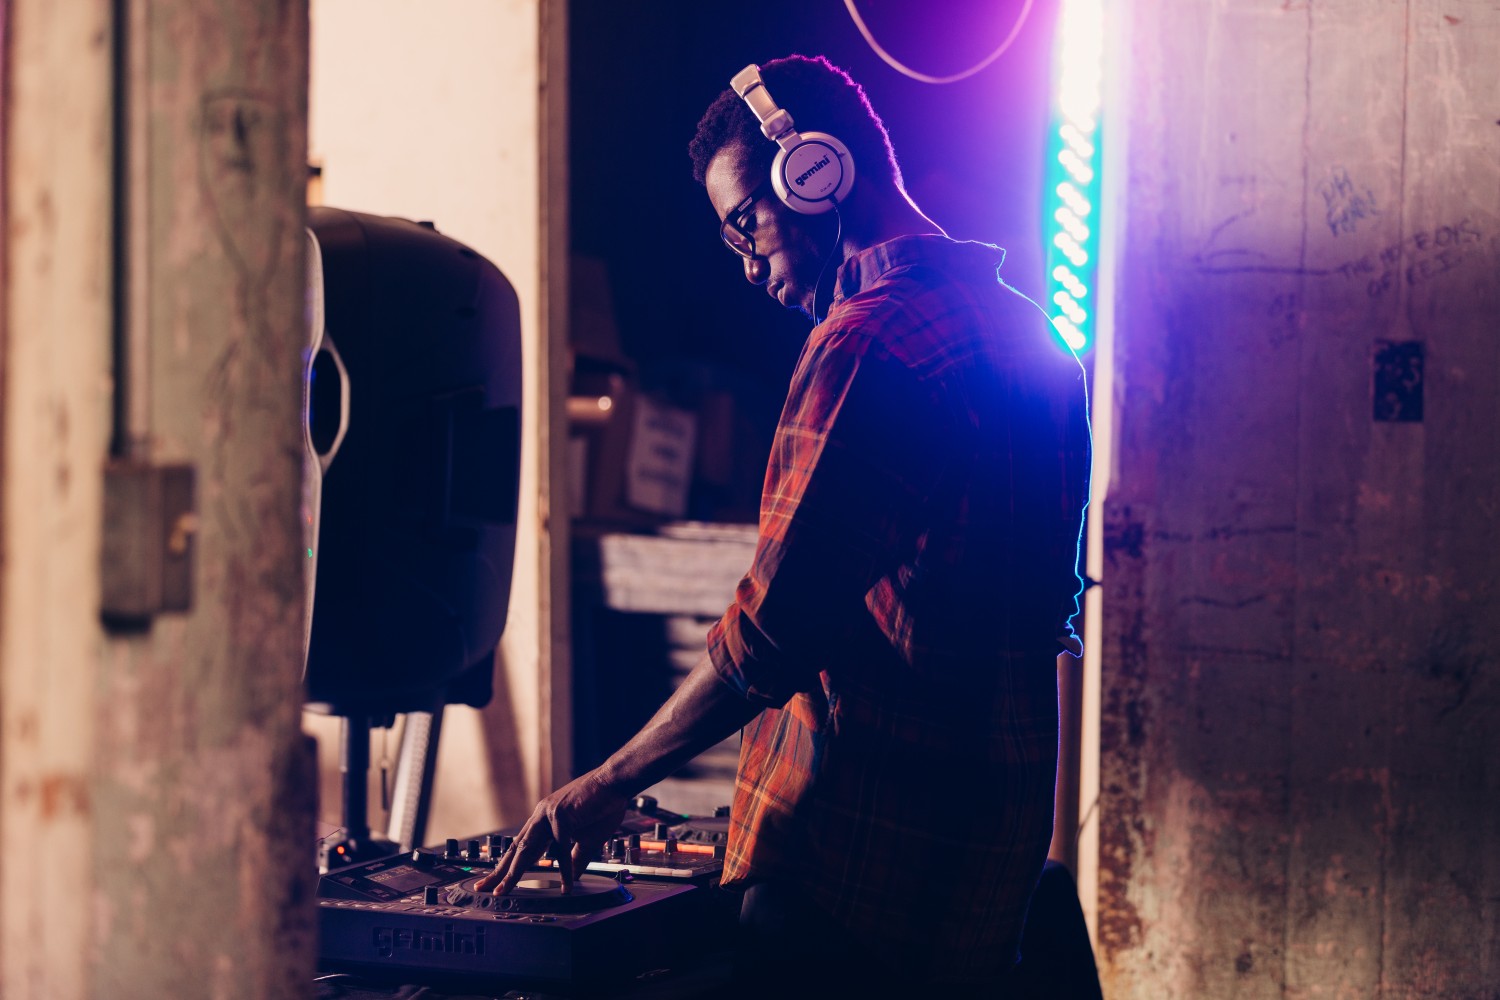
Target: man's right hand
578,817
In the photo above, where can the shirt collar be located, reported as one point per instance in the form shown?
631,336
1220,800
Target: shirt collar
868,266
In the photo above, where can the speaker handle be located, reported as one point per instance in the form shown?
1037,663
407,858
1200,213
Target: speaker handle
326,347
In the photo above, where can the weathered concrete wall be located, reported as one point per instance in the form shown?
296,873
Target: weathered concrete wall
54,338
156,822
1301,656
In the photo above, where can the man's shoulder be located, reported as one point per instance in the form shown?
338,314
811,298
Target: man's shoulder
936,306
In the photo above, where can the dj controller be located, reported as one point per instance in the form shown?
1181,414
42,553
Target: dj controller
650,906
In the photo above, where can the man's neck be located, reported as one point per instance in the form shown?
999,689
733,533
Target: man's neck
887,219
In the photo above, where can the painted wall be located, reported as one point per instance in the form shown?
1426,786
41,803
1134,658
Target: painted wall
439,113
1300,788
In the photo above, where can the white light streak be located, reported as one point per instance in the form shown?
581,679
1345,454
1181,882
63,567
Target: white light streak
1076,141
1072,309
1076,168
1071,223
1078,65
1070,249
1069,333
1070,281
1077,202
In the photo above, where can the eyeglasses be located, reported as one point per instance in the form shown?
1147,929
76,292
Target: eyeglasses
732,230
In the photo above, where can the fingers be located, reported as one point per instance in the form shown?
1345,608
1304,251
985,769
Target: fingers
580,858
535,840
522,853
488,882
508,869
585,811
563,857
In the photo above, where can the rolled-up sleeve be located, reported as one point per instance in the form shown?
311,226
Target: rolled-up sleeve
856,451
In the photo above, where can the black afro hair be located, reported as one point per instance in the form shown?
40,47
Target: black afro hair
820,97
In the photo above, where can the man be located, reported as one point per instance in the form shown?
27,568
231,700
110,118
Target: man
891,653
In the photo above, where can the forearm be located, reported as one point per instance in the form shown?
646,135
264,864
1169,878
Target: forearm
702,712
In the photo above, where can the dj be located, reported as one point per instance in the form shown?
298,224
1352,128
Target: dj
891,652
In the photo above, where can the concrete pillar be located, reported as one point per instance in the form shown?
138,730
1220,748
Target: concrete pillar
53,421
157,816
1300,677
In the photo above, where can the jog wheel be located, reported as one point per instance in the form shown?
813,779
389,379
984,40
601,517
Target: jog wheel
541,892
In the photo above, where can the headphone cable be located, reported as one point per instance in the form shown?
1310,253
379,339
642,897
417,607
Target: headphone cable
838,238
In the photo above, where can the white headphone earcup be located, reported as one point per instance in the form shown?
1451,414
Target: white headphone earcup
814,175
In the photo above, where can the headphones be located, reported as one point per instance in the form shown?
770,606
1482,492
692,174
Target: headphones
812,171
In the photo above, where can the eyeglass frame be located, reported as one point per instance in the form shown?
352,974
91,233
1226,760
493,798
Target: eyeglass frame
731,223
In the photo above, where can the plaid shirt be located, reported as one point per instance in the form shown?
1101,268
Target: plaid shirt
915,571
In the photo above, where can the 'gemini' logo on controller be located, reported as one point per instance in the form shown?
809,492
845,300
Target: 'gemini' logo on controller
389,940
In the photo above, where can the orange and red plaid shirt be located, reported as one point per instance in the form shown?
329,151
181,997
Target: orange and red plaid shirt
916,567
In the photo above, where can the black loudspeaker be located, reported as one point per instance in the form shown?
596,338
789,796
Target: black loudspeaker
413,401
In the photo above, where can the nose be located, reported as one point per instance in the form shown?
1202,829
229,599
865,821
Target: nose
757,270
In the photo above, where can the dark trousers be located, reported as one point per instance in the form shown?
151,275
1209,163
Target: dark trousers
789,950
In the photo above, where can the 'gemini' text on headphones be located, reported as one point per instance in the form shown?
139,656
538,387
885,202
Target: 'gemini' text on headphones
818,165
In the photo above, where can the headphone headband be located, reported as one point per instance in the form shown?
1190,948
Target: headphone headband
819,166
775,123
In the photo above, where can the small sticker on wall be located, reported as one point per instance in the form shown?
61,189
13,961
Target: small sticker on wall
1398,380
659,470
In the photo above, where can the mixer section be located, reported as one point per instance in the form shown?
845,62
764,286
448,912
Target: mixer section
648,904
